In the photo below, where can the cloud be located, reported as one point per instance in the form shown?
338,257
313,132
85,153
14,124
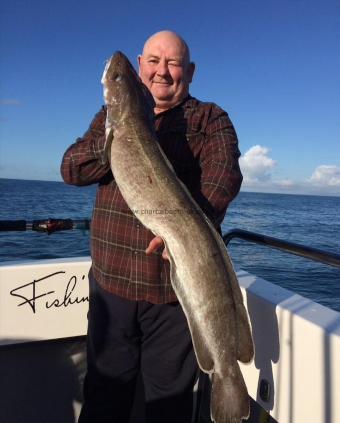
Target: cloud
10,102
326,176
256,165
286,183
259,171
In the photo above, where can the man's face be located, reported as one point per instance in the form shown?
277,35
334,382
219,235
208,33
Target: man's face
165,69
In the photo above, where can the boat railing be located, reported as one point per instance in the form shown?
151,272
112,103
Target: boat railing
52,225
315,254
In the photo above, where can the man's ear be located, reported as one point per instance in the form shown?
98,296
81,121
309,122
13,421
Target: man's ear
139,57
191,71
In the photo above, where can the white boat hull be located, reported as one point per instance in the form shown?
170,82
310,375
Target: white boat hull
297,346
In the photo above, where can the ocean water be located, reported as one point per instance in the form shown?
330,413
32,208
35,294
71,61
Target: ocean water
309,220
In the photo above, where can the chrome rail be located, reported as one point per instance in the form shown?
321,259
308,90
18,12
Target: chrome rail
315,254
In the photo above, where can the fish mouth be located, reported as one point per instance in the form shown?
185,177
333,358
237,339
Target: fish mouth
114,67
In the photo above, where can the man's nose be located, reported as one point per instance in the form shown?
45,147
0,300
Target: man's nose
162,68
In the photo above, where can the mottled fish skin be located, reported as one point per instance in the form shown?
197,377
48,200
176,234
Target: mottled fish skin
201,272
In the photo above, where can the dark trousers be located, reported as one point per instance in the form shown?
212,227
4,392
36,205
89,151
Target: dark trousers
126,340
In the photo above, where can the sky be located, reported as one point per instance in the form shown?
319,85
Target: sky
273,65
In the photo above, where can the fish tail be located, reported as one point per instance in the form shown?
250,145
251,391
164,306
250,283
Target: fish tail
229,398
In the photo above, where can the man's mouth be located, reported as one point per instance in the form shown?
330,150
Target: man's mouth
161,82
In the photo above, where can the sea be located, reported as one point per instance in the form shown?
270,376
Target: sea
310,220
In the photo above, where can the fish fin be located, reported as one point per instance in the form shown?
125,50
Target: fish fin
229,398
108,142
245,345
244,341
203,356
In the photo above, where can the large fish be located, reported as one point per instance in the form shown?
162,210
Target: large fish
201,272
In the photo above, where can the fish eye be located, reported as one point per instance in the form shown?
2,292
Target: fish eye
116,77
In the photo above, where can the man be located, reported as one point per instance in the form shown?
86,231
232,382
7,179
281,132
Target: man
136,325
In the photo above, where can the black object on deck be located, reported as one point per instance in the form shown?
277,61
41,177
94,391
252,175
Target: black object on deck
46,225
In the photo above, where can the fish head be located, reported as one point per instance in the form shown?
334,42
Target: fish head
124,93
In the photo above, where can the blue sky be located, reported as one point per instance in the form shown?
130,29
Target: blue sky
274,66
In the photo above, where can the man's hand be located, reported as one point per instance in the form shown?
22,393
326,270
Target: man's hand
155,243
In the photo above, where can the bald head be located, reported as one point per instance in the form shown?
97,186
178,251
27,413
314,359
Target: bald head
170,38
165,68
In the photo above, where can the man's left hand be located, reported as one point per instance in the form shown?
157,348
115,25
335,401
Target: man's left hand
155,243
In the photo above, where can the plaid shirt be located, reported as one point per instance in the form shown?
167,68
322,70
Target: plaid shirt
200,142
